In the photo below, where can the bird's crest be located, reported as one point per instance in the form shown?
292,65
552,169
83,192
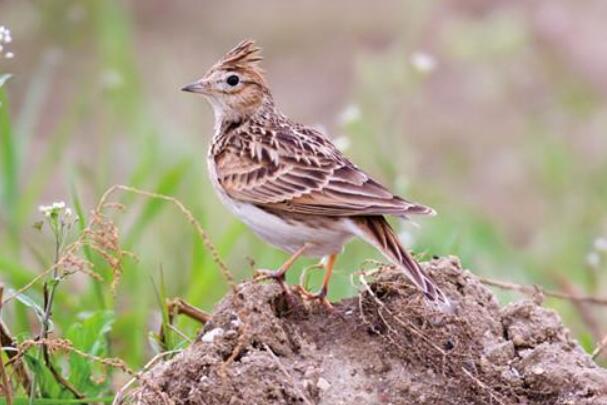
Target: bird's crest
245,55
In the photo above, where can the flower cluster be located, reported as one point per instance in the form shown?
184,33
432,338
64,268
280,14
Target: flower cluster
54,209
58,215
5,39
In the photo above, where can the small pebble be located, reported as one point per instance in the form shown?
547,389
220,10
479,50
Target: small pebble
323,384
537,370
210,335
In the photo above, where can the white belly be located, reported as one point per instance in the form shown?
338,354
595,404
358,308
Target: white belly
289,236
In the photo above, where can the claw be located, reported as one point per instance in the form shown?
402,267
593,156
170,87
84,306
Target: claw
320,296
276,275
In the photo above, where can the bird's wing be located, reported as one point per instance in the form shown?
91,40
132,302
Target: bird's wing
297,169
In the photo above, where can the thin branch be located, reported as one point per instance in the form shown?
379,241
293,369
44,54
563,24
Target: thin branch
532,290
178,306
583,308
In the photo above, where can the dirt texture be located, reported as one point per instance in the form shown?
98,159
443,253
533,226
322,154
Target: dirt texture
385,346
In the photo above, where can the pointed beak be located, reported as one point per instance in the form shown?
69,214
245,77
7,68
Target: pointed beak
199,86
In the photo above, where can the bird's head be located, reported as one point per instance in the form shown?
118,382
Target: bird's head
235,86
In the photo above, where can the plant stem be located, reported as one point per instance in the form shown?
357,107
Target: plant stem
49,295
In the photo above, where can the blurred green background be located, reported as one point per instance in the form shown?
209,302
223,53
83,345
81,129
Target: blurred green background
494,113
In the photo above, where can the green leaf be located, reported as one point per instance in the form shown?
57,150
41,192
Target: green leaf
43,377
9,176
161,298
90,336
30,303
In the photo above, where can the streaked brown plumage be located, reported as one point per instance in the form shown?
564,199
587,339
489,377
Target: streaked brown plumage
288,182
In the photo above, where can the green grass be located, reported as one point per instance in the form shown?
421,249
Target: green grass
170,258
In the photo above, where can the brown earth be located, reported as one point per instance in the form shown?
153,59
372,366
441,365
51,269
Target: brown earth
385,346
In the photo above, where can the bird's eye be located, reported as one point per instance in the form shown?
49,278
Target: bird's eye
232,80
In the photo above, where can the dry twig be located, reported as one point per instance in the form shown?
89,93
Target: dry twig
583,308
533,290
178,306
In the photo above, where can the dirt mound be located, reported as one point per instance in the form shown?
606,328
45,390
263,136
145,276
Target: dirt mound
385,346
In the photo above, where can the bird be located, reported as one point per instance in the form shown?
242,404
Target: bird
290,184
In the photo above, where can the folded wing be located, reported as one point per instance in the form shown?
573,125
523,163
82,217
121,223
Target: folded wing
299,170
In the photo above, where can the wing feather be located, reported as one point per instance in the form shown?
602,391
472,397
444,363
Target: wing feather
300,171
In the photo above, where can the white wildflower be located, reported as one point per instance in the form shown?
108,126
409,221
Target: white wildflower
593,259
60,216
5,38
342,143
350,114
600,244
45,210
422,62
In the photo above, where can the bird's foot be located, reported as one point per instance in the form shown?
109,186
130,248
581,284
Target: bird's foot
276,275
320,296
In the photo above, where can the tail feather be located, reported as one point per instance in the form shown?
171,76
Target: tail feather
378,232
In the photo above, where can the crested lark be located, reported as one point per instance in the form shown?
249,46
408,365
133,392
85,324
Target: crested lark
289,183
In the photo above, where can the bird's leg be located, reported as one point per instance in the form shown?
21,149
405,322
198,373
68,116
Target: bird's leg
280,274
322,294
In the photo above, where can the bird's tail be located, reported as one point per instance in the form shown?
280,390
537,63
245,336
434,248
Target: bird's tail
378,232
